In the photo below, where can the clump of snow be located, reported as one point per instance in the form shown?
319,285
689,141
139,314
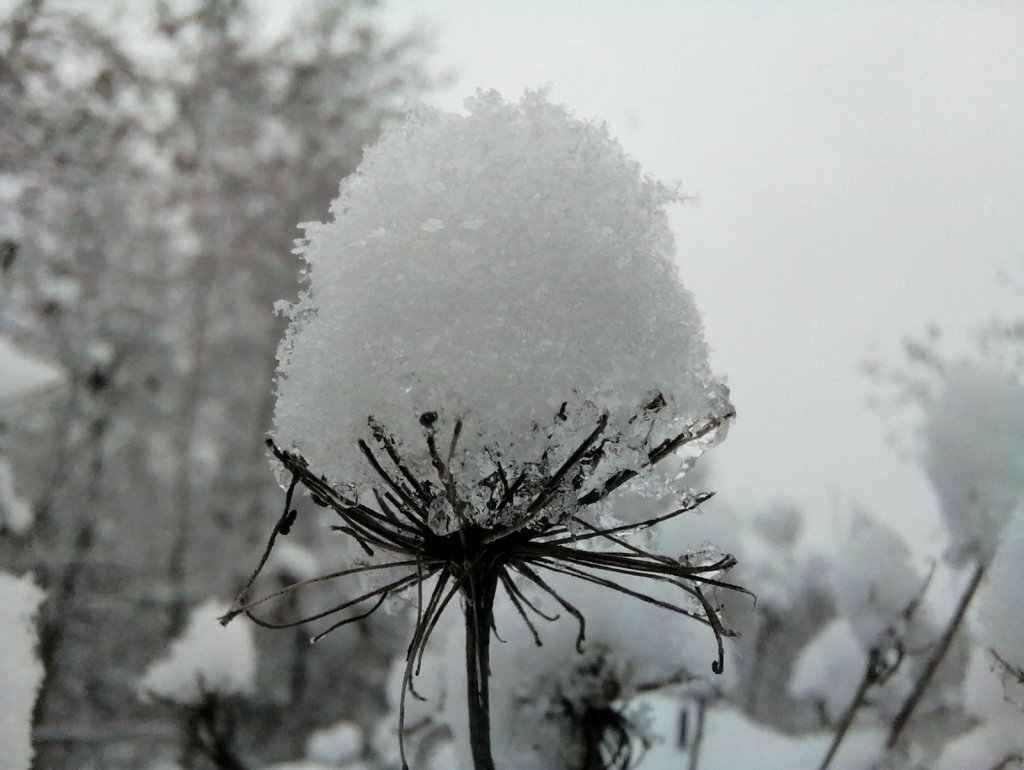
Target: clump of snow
23,373
206,658
490,268
975,458
985,747
1001,607
336,745
830,668
873,581
21,673
294,561
16,513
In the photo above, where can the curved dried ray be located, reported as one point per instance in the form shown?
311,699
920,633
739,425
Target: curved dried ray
631,565
641,563
639,526
380,433
400,490
237,609
355,536
710,618
510,590
397,585
532,576
526,600
225,619
604,582
353,619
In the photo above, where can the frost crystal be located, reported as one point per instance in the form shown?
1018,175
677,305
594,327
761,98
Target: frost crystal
490,268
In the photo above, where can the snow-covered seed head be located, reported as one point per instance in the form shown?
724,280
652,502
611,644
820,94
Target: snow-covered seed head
490,268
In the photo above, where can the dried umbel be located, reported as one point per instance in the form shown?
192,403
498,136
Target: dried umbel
426,536
492,339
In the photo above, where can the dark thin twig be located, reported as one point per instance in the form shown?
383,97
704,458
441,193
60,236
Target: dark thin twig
846,722
282,526
900,723
698,735
639,526
536,579
397,585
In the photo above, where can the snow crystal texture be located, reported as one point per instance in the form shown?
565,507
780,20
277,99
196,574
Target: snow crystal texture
488,267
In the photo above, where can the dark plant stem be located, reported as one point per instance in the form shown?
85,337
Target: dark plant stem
698,736
936,658
869,678
479,610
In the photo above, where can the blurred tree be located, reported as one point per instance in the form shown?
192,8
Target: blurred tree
154,161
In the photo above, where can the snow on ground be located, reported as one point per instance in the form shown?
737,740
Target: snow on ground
732,741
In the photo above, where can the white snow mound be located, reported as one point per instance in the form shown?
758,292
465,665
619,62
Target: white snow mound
207,658
489,267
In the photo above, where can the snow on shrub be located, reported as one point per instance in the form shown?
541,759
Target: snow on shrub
975,458
206,659
21,673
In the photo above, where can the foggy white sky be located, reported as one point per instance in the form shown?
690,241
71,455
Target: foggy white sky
860,169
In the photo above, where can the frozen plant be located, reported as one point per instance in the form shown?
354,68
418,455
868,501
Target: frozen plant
492,340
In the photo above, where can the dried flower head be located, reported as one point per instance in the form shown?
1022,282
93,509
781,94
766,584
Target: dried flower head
430,538
492,341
